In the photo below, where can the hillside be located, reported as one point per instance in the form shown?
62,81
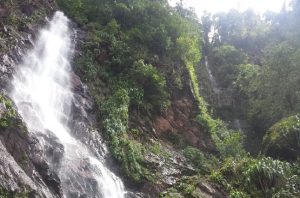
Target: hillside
165,108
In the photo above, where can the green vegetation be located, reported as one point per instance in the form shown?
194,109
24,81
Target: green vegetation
127,46
8,114
127,151
5,194
264,177
283,139
227,59
256,61
17,21
137,56
186,187
203,163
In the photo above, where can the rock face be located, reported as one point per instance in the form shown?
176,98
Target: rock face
178,123
169,170
208,190
175,128
82,118
19,21
179,119
23,169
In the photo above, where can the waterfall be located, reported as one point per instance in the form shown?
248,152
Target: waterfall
43,96
213,82
222,97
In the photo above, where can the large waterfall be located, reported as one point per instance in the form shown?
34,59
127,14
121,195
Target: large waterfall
43,95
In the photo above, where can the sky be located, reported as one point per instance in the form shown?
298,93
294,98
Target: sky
259,6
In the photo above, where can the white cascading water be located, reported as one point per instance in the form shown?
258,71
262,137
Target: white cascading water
212,79
42,93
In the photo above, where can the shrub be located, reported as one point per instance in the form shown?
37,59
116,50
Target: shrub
268,175
128,152
9,112
74,8
283,139
153,83
197,158
228,142
263,177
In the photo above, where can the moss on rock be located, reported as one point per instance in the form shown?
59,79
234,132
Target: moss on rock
7,112
283,139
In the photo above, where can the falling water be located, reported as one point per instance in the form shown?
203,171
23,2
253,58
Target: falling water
221,96
42,93
212,79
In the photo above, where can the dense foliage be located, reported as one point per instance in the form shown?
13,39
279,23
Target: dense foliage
137,48
7,112
264,177
283,139
256,62
138,54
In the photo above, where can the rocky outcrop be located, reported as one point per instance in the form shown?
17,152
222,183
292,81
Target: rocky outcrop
83,121
209,190
195,186
19,22
179,120
178,123
22,169
169,169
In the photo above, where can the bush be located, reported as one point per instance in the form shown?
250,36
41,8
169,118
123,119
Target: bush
129,153
225,64
74,8
283,139
185,187
263,177
228,142
267,175
153,83
8,114
197,158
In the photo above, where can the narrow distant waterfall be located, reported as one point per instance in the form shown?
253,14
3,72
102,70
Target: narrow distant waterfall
212,79
43,95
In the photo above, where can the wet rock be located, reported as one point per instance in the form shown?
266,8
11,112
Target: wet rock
82,121
18,170
52,147
135,195
80,181
76,83
153,160
207,190
27,8
46,154
49,177
12,177
168,169
3,12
